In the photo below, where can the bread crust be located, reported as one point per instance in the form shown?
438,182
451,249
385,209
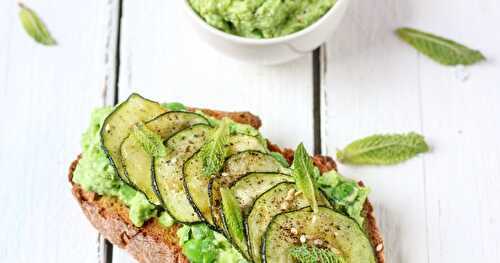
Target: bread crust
153,243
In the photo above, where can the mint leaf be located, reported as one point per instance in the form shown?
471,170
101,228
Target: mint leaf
213,152
233,219
439,49
174,106
304,254
280,158
151,142
34,26
233,216
383,149
304,173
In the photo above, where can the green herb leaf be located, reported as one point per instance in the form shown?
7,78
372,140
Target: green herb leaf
231,205
213,152
174,106
304,254
151,142
233,219
304,174
439,49
280,158
383,149
34,26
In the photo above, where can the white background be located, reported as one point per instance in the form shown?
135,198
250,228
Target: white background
440,207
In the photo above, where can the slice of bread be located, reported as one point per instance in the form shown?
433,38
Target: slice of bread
152,242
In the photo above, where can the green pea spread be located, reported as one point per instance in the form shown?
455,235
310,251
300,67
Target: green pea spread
94,173
199,243
261,18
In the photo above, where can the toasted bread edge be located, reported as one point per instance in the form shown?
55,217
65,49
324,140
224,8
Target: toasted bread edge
154,243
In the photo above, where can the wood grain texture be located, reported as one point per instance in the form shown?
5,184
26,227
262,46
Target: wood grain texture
441,207
163,59
46,95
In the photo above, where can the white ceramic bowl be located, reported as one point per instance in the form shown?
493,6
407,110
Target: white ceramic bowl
270,51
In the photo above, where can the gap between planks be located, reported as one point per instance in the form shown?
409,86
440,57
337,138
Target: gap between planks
318,72
110,97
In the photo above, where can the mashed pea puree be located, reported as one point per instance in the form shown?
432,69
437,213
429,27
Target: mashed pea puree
261,18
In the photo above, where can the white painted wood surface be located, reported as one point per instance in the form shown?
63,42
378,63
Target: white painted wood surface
443,206
440,207
46,95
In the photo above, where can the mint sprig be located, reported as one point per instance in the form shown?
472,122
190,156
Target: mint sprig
151,142
34,26
214,151
439,49
305,173
383,149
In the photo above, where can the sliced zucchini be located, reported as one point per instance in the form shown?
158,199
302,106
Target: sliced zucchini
252,185
240,143
167,172
245,162
137,166
235,167
276,200
173,121
328,230
196,182
214,202
116,127
232,220
138,163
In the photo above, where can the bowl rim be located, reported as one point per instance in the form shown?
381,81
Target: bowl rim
258,41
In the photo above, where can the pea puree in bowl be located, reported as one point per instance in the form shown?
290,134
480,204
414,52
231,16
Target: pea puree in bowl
261,18
265,31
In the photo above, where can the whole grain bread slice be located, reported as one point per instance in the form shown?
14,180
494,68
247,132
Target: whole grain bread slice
153,243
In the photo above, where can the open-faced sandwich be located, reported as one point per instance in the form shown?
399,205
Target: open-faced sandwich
175,184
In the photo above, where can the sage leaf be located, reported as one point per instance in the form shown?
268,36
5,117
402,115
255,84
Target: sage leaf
439,49
304,173
213,153
34,26
383,149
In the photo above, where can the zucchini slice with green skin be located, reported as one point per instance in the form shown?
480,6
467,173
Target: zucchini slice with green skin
137,162
167,171
172,122
196,182
252,185
235,167
116,127
232,220
239,164
276,200
137,167
214,202
329,230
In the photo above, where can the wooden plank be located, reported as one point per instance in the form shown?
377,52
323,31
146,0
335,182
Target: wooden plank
46,95
440,207
163,59
372,87
460,115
